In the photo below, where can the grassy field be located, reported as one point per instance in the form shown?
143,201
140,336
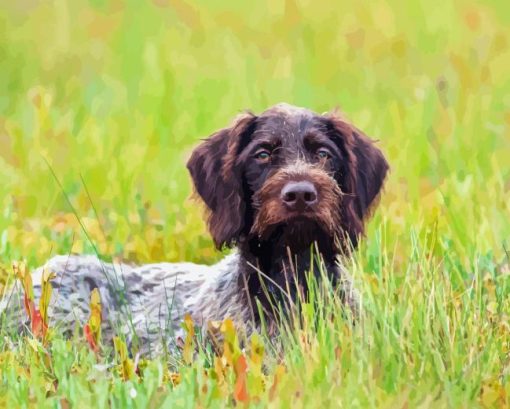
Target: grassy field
113,95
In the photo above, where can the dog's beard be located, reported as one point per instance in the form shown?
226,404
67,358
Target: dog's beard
297,234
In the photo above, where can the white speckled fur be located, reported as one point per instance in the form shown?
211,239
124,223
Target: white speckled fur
148,300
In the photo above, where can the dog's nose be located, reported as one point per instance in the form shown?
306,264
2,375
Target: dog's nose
299,195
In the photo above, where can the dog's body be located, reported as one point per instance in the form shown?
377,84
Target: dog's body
275,185
146,304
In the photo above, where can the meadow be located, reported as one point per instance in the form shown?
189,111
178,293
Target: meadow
101,103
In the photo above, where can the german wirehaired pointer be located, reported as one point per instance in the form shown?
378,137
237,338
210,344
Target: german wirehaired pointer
275,185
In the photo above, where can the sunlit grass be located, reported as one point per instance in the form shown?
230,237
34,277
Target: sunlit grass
112,97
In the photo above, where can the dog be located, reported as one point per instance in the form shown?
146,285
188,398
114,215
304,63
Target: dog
276,186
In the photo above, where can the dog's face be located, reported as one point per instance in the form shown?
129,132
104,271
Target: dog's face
289,175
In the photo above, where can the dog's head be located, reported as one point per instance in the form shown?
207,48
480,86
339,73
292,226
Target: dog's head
288,172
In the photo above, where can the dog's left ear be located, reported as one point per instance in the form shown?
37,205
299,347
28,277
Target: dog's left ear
362,176
218,182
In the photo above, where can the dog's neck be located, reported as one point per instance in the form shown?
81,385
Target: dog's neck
273,272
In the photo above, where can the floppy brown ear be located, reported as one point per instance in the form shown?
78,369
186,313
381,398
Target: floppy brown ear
362,177
217,181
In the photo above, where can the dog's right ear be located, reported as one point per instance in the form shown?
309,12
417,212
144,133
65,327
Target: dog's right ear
218,182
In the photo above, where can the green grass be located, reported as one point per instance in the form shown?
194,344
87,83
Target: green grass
114,95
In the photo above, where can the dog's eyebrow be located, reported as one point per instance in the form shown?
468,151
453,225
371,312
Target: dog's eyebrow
316,138
267,140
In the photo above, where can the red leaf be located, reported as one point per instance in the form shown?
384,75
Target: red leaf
240,391
39,327
90,338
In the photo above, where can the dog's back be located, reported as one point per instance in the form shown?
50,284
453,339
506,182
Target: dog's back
145,303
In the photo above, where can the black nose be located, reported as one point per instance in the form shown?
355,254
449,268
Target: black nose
299,195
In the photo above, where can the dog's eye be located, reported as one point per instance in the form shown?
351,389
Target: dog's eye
323,154
263,155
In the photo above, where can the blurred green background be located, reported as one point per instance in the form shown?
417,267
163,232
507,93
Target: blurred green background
101,103
115,94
